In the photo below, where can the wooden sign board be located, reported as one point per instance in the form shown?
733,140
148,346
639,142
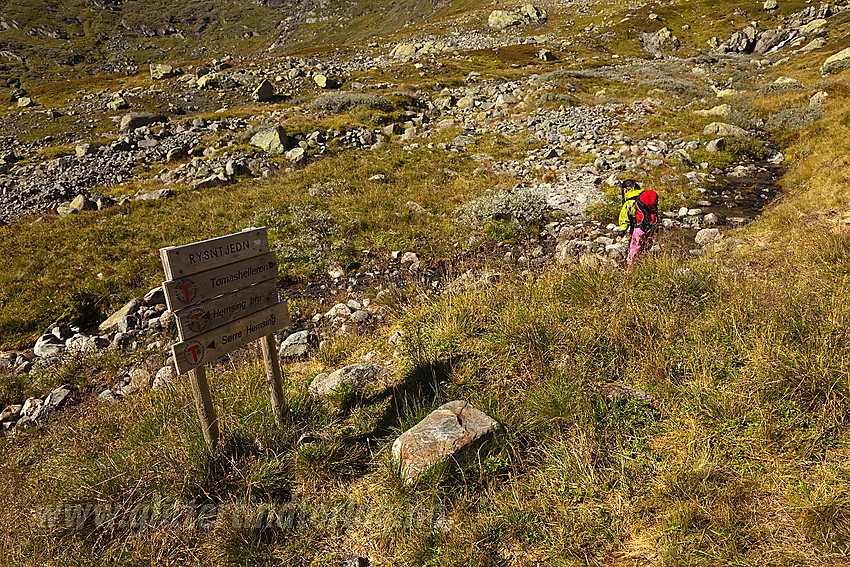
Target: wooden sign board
190,354
181,261
206,316
196,288
223,293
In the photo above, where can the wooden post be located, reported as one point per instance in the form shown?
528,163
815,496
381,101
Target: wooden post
203,403
279,406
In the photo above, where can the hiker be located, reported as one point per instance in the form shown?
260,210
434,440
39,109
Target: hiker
639,216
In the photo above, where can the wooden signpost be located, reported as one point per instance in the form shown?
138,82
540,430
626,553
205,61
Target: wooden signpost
223,295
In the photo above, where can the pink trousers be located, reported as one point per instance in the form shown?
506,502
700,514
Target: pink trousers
640,242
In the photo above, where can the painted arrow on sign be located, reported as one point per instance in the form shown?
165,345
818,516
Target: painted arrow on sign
188,291
192,353
221,310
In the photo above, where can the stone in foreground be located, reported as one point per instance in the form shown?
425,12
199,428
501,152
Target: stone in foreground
447,431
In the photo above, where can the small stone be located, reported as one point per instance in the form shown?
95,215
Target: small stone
360,316
82,150
312,438
164,377
129,308
174,154
296,155
48,345
163,193
713,219
295,344
82,203
155,296
707,236
106,396
409,258
11,413
716,145
117,103
723,129
127,323
140,378
620,393
358,375
818,99
546,55
58,396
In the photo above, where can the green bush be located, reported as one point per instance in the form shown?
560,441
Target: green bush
341,102
793,119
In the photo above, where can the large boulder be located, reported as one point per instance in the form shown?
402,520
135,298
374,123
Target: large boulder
533,13
721,129
325,82
724,111
837,62
655,43
264,91
161,71
403,50
742,41
813,27
210,81
273,140
768,39
357,375
501,19
112,322
447,431
134,120
816,43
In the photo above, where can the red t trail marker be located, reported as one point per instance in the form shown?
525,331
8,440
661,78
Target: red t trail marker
223,294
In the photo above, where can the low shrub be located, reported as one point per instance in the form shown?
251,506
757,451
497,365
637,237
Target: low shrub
341,102
558,98
793,119
524,204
